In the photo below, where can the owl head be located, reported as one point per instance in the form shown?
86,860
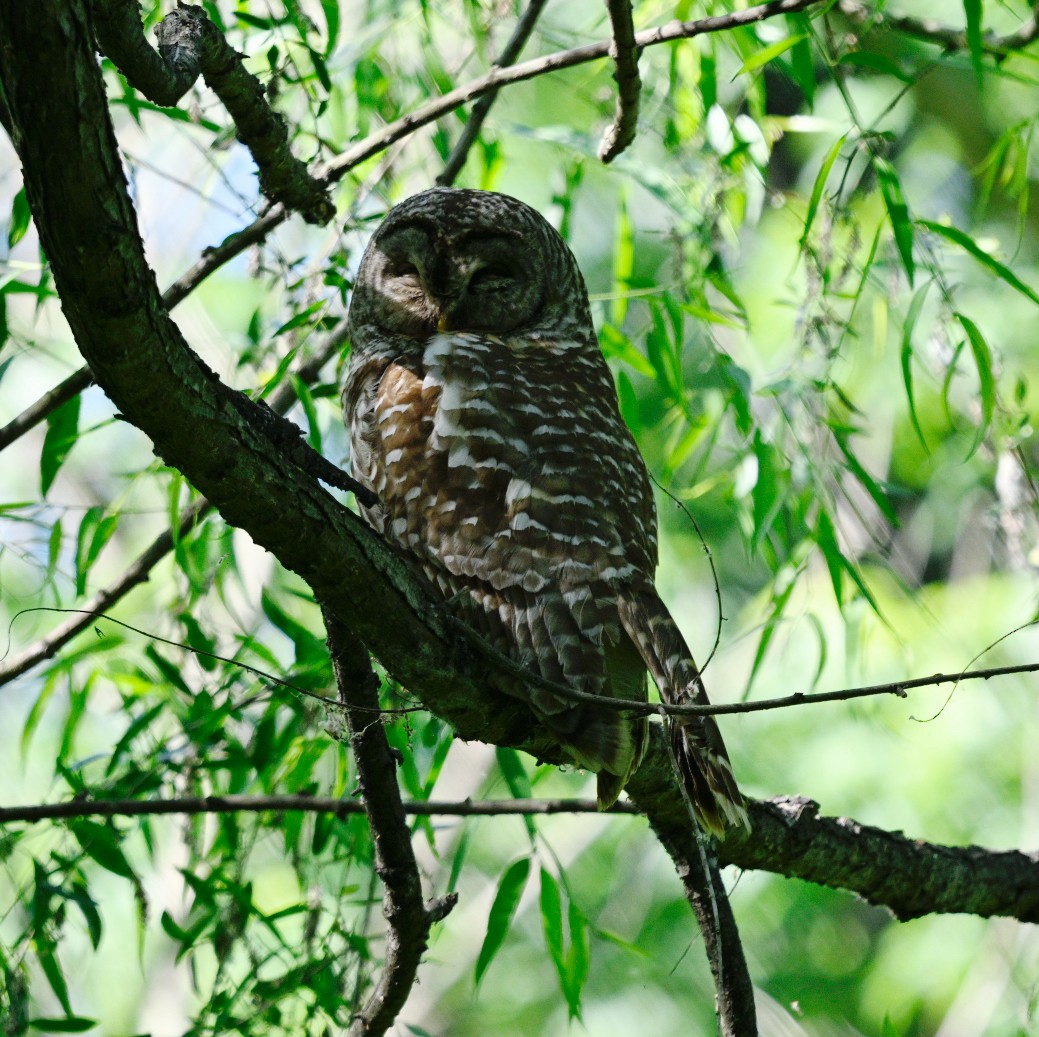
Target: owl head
467,261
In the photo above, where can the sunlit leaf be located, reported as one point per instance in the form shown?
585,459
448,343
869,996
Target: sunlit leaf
770,53
987,383
898,213
820,185
967,243
62,432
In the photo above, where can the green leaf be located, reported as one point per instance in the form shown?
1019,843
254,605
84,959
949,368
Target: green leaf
576,961
967,243
820,184
898,213
552,921
70,1024
20,216
763,57
101,844
872,487
983,362
62,430
907,357
507,899
972,13
515,774
52,970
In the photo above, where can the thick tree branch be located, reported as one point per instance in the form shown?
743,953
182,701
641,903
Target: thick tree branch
190,45
408,920
621,132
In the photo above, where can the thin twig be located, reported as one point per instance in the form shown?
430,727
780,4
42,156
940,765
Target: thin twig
638,707
408,919
621,132
471,130
933,31
308,804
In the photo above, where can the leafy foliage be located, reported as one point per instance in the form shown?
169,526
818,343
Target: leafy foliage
815,280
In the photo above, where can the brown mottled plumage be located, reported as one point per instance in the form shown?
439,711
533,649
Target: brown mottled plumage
484,417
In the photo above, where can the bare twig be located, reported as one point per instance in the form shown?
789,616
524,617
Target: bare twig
621,132
910,877
408,919
190,45
637,707
511,51
933,31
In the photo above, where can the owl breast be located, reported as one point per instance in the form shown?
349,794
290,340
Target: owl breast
495,460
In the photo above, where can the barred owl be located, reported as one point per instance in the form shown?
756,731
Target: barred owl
484,418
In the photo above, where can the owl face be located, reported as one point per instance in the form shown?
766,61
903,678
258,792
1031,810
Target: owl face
466,261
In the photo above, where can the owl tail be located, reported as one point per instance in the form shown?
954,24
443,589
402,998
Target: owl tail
699,751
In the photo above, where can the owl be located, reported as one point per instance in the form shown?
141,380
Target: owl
483,416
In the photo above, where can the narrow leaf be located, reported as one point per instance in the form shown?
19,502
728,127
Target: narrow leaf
972,13
907,357
763,57
898,213
552,921
70,1024
967,243
820,184
507,899
983,362
62,429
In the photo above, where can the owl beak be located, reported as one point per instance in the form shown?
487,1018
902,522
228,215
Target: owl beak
444,324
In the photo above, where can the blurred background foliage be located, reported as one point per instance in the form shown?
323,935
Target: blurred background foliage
814,274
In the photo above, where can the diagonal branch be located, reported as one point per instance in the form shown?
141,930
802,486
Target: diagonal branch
933,31
621,132
511,51
407,918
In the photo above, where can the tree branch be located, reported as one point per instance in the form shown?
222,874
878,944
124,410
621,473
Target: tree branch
190,45
621,132
45,405
909,877
946,36
236,243
408,920
511,51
